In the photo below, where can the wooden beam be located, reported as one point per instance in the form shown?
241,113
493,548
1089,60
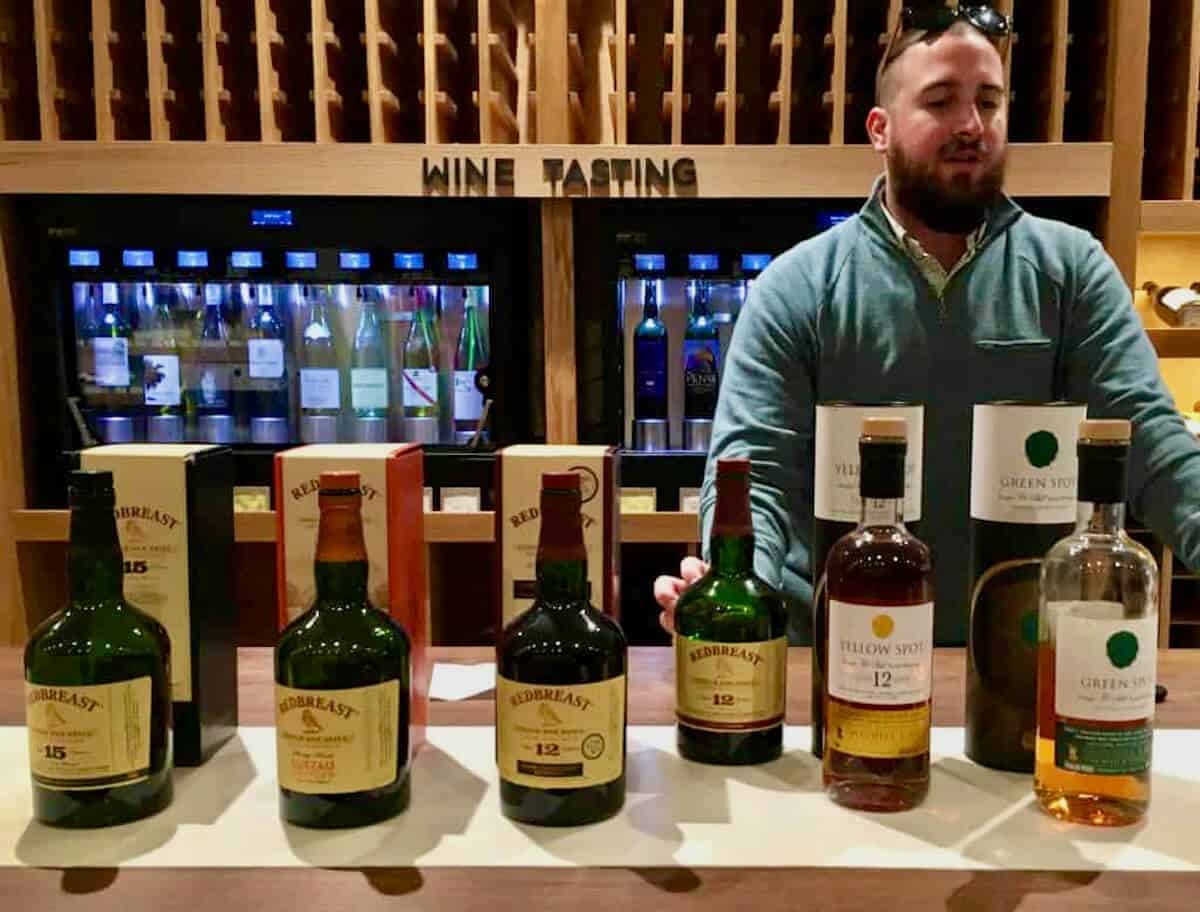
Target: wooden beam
1058,70
102,70
210,24
558,315
553,71
1129,29
787,51
731,88
676,74
841,50
483,51
621,104
156,72
264,28
433,122
322,88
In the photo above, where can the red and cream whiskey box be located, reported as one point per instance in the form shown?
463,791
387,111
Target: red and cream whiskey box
175,520
392,477
519,472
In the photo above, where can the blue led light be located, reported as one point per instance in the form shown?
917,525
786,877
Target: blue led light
755,262
246,259
191,259
271,218
703,262
137,257
408,260
829,219
83,257
649,262
301,259
354,259
461,261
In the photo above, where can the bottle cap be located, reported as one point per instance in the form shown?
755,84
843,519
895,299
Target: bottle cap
895,428
85,486
340,484
560,481
733,466
1109,430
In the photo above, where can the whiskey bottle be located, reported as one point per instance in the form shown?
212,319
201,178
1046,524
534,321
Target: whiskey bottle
1097,651
879,641
320,376
342,674
1023,487
560,684
730,643
98,685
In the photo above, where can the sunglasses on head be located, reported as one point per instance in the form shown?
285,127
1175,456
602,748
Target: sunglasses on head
935,19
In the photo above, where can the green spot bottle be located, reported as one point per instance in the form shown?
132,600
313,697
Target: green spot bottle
97,685
342,674
731,643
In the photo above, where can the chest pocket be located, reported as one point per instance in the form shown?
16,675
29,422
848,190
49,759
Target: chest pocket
1015,369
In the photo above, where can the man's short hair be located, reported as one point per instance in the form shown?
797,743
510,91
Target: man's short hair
907,39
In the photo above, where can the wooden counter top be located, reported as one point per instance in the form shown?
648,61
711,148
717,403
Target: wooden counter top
494,889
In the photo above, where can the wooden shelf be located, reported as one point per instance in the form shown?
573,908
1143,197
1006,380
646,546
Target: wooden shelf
440,528
1170,216
352,169
1175,342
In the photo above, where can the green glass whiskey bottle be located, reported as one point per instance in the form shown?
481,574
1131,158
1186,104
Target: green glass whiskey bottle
731,642
342,672
97,685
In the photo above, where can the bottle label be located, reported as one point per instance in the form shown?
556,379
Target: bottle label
112,361
730,687
89,737
560,736
160,375
330,742
700,360
468,401
266,358
881,656
1024,468
319,388
1104,669
420,388
211,384
882,734
1102,751
836,460
369,387
650,370
1178,298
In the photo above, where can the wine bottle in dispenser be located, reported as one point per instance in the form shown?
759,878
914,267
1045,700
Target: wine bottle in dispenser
420,377
650,384
110,358
267,371
211,377
368,372
158,347
1023,493
701,370
320,377
470,357
837,505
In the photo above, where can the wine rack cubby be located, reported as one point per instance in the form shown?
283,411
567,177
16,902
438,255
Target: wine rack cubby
18,72
285,65
175,70
66,77
231,71
1170,171
505,97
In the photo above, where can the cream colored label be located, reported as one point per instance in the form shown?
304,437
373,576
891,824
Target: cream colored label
152,522
880,655
880,734
560,736
520,497
730,687
301,475
836,494
330,742
89,737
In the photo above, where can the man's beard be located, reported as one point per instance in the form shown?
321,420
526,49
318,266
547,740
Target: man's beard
956,206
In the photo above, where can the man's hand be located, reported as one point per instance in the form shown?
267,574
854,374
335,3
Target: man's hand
667,589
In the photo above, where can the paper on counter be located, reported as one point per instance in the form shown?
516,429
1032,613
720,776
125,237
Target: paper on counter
458,682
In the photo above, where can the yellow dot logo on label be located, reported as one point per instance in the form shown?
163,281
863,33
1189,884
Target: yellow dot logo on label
882,626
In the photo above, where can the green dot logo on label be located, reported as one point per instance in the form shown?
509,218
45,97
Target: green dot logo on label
1122,649
1041,449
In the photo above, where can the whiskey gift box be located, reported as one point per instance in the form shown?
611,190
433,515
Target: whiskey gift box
392,477
518,489
175,520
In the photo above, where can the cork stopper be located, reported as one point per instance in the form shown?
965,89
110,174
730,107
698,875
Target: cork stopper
888,428
1106,430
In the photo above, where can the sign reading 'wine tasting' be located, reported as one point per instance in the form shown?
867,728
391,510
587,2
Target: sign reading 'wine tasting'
620,177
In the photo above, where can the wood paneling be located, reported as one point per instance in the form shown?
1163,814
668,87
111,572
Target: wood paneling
558,315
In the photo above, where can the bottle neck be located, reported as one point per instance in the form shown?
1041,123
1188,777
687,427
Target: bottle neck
881,511
340,568
731,541
1100,518
881,481
94,562
650,307
561,567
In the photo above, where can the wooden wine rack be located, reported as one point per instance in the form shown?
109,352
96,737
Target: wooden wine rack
678,72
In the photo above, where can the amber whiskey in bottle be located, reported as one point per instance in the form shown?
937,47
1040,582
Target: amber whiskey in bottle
1097,651
879,641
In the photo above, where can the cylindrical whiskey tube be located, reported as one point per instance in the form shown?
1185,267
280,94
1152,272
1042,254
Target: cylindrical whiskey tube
1023,491
837,503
